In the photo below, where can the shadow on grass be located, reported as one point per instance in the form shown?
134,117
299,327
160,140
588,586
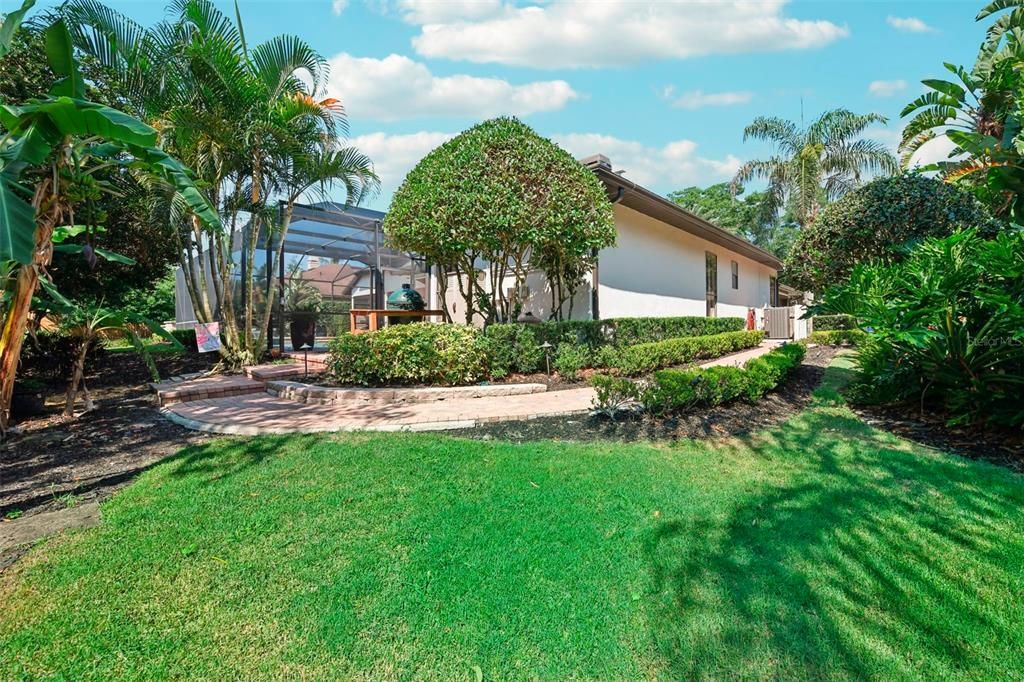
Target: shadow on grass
863,561
220,459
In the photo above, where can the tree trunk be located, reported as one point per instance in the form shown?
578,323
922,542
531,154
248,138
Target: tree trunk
286,220
13,336
48,213
76,378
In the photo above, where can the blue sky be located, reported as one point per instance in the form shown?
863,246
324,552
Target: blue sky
664,89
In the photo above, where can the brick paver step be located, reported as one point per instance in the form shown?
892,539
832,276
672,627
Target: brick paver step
220,386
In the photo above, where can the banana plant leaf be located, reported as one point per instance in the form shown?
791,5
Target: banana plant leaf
102,253
17,224
70,116
60,55
170,169
10,26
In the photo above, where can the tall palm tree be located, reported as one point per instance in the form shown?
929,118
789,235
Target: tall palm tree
814,164
243,117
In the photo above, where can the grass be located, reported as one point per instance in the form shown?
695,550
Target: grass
820,549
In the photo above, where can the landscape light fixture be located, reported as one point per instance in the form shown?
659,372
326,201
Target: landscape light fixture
547,357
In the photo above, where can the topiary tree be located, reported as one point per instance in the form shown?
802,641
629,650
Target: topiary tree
878,222
495,201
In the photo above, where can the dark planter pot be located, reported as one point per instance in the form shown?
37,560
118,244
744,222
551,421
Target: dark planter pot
27,403
303,329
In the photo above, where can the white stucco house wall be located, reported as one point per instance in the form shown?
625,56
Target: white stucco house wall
660,266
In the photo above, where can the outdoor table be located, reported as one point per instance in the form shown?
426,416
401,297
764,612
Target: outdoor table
375,314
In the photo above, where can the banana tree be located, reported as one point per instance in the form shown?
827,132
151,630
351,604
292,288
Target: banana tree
981,112
50,150
88,322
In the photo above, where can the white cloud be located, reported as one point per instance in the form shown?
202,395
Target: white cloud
438,11
397,87
338,6
395,155
909,24
578,33
886,88
671,166
698,99
890,137
662,169
932,151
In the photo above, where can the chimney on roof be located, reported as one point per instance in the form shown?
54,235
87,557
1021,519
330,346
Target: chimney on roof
596,161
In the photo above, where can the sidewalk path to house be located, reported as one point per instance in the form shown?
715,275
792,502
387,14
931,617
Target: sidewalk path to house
261,413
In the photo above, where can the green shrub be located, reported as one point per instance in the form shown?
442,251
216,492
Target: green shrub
674,390
513,348
947,327
629,331
878,222
826,323
613,394
187,338
633,330
443,354
53,354
764,373
648,357
570,358
836,337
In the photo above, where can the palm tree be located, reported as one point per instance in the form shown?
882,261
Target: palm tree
243,118
815,164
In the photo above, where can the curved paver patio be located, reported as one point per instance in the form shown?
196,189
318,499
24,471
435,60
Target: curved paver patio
261,413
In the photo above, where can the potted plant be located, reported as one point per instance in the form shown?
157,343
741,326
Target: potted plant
304,302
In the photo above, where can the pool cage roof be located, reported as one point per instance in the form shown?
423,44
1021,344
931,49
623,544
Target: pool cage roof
344,234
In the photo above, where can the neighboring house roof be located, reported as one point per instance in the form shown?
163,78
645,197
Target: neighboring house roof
643,200
332,278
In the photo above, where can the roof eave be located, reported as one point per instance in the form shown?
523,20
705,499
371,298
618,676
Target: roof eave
645,201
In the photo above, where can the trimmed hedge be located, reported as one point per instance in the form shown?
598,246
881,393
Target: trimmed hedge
513,348
444,354
648,357
836,337
673,390
825,323
623,331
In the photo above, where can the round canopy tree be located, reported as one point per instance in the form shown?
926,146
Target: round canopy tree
491,200
878,222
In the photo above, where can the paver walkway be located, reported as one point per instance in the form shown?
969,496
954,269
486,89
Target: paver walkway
261,413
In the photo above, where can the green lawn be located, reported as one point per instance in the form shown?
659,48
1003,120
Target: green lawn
820,549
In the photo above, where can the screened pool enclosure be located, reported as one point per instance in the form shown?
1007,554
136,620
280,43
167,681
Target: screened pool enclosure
334,260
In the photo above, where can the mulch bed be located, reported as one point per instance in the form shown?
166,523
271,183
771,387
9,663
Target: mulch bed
727,420
88,457
1002,447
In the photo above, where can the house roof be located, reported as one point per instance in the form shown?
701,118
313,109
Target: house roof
643,200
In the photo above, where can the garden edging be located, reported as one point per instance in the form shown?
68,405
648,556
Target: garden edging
326,395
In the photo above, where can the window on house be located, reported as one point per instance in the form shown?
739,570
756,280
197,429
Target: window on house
735,275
